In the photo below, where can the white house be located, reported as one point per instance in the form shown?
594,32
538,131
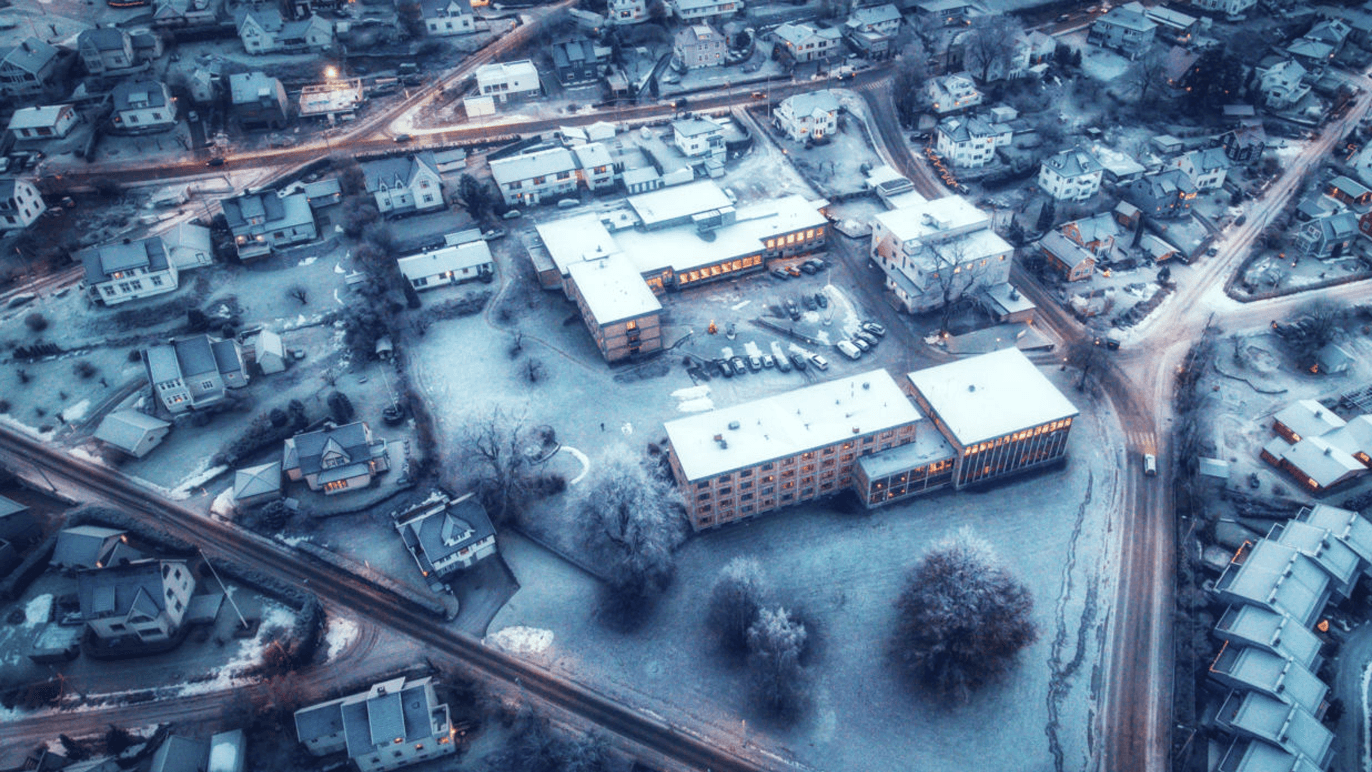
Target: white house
120,272
447,265
951,93
1125,28
194,372
1228,7
143,601
530,177
508,80
42,122
335,459
595,167
447,17
696,137
1206,168
1072,175
264,221
143,107
938,251
105,48
189,245
394,724
970,141
808,116
20,204
405,185
804,43
871,29
698,45
626,11
1282,85
696,10
265,32
26,68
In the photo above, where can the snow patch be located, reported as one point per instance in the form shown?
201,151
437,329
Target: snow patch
293,541
339,634
307,261
85,455
701,405
197,479
38,610
521,640
692,392
223,503
78,411
234,672
740,304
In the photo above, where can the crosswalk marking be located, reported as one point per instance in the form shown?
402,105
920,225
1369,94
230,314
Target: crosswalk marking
1146,441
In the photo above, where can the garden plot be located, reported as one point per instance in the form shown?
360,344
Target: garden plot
765,172
835,168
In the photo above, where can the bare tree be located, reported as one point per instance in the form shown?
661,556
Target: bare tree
962,618
1086,356
533,746
1147,76
956,275
633,523
989,46
908,86
775,645
739,593
495,446
299,292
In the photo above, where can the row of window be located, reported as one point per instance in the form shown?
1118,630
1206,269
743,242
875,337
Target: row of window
722,269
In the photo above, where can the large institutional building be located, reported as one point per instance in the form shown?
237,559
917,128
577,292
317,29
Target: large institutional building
959,424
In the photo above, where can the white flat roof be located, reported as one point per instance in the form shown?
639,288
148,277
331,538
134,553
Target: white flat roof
575,239
991,395
451,258
928,218
667,204
789,423
613,289
505,70
682,248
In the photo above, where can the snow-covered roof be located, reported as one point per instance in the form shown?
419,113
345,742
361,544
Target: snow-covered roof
660,207
136,94
1277,577
1248,755
967,129
789,423
1343,524
526,166
1337,559
1272,630
437,532
500,72
812,102
104,261
180,754
988,396
1272,674
925,219
125,429
36,117
683,247
251,87
592,155
1129,16
446,259
1074,162
226,751
575,239
1320,461
259,480
613,289
1308,418
692,127
31,55
1289,727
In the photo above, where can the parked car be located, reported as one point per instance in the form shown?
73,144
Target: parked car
808,268
861,345
494,233
819,362
740,367
216,161
846,348
871,339
809,302
754,363
783,364
725,369
874,329
402,138
512,214
794,271
768,361
815,263
792,310
799,361
822,299
780,273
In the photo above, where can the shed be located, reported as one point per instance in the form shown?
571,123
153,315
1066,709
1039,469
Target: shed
257,484
271,353
1214,467
1332,359
132,432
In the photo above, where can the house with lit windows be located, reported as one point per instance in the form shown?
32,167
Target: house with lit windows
696,10
405,185
812,116
936,252
143,601
971,141
951,93
142,106
394,724
20,204
1317,448
265,221
626,11
128,270
1072,175
445,536
504,81
799,43
335,459
698,45
194,372
450,264
621,313
531,178
447,17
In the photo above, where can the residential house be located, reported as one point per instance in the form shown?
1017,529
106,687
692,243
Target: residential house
1327,238
1314,55
448,265
394,724
266,32
812,116
1206,168
697,137
147,45
530,178
446,536
936,252
1332,359
1179,67
223,752
621,313
951,93
698,45
579,61
1290,728
1072,175
26,69
18,526
931,14
405,185
1126,29
971,141
1172,24
141,601
128,270
105,48
447,17
1271,631
256,485
1350,192
798,43
335,459
188,245
1066,257
1334,32
1282,83
595,167
1158,250
1229,8
132,432
194,372
508,80
1278,578
90,546
257,100
265,221
1305,418
1166,194
142,106
626,11
185,13
1097,233
701,10
1244,143
872,29
42,122
20,204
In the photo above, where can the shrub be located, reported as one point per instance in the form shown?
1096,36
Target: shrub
84,370
36,322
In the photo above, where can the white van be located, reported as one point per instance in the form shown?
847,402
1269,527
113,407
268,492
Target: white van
846,348
1150,464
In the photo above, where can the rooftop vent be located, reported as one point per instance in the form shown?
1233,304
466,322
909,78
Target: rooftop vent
866,385
722,444
971,387
733,425
856,430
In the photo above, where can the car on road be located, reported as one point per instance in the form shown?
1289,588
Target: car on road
846,348
1150,464
216,161
402,138
794,271
1241,219
754,363
861,344
1211,252
780,273
740,367
759,95
819,362
874,328
494,233
798,360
